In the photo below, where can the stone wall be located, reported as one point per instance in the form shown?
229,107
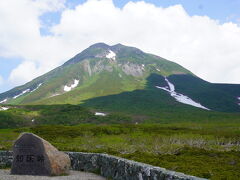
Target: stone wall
112,167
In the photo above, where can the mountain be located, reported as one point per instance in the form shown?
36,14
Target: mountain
125,79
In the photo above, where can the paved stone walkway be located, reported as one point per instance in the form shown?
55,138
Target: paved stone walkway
74,175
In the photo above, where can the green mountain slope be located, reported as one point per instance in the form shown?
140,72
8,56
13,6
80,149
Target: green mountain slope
97,75
118,77
219,97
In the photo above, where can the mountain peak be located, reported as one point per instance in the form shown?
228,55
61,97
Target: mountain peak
101,50
100,45
97,50
91,52
119,45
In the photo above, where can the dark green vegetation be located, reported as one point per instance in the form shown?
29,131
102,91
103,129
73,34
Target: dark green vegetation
201,143
219,97
31,115
21,116
201,149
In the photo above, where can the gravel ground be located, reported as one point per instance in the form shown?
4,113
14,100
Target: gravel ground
74,175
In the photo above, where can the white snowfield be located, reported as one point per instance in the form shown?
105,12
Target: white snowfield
3,101
57,94
22,93
180,97
37,87
3,108
158,69
239,100
69,88
111,55
99,114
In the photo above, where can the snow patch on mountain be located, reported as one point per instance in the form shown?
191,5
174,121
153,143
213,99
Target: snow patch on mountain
36,87
158,70
111,55
171,86
57,94
72,86
4,108
239,100
3,101
180,97
22,93
99,114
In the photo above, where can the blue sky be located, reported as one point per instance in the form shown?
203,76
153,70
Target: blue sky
224,11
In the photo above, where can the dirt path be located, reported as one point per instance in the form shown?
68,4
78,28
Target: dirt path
74,175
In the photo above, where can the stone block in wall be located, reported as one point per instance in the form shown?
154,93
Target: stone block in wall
6,158
84,161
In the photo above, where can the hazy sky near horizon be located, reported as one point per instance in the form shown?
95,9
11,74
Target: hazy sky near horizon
39,35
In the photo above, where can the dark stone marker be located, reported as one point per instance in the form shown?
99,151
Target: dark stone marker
33,155
29,157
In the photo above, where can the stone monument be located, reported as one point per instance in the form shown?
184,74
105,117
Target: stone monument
33,155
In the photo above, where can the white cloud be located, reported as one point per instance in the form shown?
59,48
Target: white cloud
20,37
207,48
23,71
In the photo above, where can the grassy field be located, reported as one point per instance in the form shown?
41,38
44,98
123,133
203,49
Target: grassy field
207,150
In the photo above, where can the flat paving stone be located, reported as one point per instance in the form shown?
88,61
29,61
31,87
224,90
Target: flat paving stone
74,175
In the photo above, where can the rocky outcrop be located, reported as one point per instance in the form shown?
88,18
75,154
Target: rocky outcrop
86,67
133,69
